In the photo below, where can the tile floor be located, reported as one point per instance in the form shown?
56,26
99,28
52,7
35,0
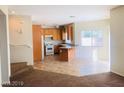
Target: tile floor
76,67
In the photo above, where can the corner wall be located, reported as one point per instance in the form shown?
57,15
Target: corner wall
21,48
0,72
117,40
5,50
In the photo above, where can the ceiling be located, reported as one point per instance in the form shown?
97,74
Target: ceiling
62,14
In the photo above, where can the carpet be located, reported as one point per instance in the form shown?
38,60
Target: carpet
39,78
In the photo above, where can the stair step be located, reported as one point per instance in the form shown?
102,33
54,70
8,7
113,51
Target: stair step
18,68
28,68
15,67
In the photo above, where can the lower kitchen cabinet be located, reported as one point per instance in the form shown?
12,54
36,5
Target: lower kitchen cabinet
67,54
56,49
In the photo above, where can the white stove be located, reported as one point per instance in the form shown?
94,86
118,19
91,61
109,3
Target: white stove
49,48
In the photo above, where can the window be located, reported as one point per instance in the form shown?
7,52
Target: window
86,38
91,38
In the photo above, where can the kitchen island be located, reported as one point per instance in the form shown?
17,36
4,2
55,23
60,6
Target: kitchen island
67,53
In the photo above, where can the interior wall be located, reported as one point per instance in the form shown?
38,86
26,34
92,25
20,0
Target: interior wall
103,52
4,45
21,48
86,52
117,40
0,72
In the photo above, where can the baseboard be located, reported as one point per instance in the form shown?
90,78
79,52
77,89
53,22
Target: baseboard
118,73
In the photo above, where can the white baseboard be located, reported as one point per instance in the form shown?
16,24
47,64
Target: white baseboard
120,74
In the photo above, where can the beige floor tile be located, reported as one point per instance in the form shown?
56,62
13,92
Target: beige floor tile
76,67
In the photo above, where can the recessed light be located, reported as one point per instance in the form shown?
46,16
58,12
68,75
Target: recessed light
13,12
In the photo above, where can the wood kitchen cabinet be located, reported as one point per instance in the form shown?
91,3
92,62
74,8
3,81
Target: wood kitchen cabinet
37,32
63,32
48,31
69,32
56,49
53,31
57,34
66,54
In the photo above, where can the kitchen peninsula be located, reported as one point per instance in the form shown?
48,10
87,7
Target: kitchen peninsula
67,53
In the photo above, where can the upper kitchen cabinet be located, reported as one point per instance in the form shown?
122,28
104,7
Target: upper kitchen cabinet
69,29
63,32
48,31
67,32
55,32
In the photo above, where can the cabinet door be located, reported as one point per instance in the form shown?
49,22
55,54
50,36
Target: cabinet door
64,33
68,32
56,49
59,34
71,32
48,31
55,34
69,29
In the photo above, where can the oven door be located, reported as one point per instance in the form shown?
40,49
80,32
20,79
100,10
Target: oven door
49,49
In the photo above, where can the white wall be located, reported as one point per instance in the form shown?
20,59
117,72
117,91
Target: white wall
4,45
86,52
21,49
117,40
0,72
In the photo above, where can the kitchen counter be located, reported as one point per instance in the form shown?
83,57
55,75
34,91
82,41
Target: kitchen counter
67,47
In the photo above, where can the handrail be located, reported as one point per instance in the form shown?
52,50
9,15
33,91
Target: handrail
24,45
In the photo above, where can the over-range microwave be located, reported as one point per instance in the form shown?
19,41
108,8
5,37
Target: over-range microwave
48,37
